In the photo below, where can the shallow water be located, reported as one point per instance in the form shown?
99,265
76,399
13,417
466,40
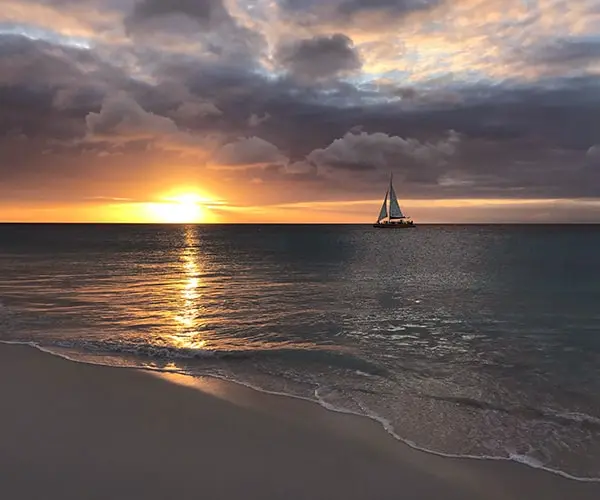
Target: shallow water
464,340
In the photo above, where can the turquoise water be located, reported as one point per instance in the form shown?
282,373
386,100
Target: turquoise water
479,341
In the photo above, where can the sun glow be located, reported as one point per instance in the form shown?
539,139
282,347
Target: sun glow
187,208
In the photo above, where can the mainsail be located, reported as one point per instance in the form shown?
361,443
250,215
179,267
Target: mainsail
395,211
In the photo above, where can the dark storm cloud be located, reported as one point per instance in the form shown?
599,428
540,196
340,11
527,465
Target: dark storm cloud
39,79
319,57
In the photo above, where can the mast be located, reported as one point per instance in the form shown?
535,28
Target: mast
391,190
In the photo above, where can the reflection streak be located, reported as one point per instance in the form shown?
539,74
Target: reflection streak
186,317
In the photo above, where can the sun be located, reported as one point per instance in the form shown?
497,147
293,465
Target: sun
187,208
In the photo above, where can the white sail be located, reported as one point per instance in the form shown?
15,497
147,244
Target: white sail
383,212
395,211
392,217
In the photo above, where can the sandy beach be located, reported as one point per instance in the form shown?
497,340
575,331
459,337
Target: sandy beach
76,431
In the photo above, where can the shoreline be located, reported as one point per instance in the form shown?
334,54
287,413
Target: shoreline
336,454
522,460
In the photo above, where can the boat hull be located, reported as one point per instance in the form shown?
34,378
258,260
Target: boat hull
405,225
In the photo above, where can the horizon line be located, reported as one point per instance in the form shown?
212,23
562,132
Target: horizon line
108,223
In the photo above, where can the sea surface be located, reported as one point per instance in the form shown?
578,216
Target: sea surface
479,341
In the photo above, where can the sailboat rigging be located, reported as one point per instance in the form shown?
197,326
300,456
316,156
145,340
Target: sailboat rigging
390,215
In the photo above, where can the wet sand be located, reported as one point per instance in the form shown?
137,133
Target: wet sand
76,431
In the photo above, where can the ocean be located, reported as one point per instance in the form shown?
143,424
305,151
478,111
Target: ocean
471,341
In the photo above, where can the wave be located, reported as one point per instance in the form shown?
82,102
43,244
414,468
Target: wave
511,457
385,423
529,412
301,353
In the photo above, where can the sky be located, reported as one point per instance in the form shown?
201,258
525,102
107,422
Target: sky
299,110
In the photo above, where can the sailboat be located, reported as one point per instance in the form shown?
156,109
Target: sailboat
392,217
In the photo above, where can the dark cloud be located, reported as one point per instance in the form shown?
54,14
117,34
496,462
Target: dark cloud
206,25
363,152
565,52
123,122
32,73
204,12
528,141
189,110
321,57
27,62
593,154
405,92
191,78
351,12
387,6
255,120
357,6
122,117
514,142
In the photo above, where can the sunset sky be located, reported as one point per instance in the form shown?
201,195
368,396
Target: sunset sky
298,110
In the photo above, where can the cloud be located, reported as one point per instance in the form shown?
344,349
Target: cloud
562,53
247,152
320,57
359,6
399,7
121,116
352,14
205,12
364,153
593,155
197,28
301,168
594,151
255,120
273,92
25,61
196,109
121,121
